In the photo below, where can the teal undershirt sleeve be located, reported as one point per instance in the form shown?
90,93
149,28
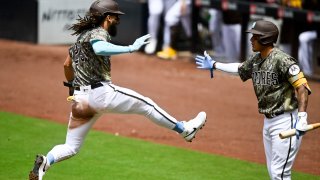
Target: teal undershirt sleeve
104,48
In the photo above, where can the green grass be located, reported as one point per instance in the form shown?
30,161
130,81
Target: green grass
105,156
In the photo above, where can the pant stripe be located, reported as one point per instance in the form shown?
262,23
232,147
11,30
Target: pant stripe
284,167
143,101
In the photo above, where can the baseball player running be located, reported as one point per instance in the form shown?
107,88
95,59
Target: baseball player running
282,92
87,68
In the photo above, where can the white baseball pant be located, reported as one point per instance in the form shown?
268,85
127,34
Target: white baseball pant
280,153
173,16
231,38
156,9
215,27
305,51
109,99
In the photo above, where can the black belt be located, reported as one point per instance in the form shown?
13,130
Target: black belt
93,86
273,114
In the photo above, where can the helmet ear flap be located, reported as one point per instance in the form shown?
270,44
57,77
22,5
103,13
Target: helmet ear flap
268,38
261,41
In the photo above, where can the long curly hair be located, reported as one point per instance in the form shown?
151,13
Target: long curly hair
90,20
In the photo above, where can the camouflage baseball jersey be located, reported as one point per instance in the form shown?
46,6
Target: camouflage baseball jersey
88,67
270,80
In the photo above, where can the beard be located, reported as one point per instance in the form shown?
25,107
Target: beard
112,30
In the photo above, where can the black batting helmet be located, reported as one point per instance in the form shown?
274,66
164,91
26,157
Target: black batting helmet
267,31
105,6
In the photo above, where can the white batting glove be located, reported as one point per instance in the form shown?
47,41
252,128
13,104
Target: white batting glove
301,124
138,43
205,62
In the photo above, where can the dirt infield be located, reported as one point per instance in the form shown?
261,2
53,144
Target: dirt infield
31,83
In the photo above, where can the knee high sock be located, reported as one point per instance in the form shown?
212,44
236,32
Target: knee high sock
74,141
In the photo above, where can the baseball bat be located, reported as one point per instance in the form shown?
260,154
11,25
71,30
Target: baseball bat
292,132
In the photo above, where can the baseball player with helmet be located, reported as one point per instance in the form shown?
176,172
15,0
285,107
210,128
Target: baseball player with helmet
282,92
87,68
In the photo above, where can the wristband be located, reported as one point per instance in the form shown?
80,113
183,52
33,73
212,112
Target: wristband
68,84
213,65
211,72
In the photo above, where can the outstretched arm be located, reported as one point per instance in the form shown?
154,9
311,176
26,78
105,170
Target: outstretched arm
104,48
206,62
227,67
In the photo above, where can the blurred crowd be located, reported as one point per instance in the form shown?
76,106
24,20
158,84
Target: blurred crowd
221,31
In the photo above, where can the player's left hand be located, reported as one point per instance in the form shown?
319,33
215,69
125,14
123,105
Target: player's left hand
301,124
138,43
70,86
205,62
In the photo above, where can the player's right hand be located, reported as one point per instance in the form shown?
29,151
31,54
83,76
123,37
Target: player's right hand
301,124
205,62
138,43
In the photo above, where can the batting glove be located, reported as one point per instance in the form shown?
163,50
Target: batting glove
205,62
301,124
138,43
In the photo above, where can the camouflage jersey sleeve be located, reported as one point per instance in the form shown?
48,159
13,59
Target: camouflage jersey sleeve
245,70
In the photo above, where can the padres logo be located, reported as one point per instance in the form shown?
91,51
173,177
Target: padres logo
265,78
294,70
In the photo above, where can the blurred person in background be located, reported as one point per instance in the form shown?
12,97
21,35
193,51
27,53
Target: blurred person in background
231,35
180,11
215,29
292,3
307,39
156,8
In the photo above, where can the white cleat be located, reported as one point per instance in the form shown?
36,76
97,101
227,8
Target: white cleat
40,166
151,47
193,126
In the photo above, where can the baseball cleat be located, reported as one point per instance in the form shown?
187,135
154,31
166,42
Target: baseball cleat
40,166
193,126
167,53
151,47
